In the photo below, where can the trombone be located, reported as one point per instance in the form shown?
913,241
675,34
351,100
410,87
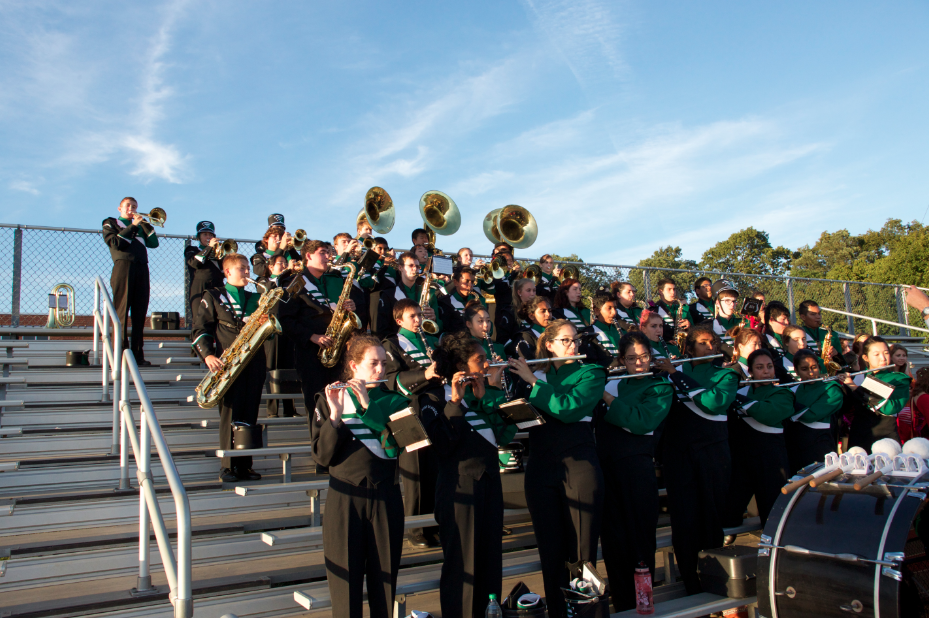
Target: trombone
156,217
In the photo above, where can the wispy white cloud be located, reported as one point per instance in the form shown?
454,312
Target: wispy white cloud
26,186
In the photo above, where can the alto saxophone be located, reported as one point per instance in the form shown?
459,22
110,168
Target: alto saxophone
832,367
342,324
427,325
680,335
496,358
236,357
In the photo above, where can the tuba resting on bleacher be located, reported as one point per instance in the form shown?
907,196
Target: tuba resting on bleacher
237,356
60,307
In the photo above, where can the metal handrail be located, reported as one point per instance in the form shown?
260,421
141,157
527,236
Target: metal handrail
874,321
177,571
112,351
99,231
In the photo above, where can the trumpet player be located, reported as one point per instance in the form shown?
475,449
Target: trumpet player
276,237
204,270
670,307
408,286
220,316
548,282
129,237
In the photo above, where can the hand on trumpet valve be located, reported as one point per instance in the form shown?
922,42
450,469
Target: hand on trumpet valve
556,272
287,241
214,243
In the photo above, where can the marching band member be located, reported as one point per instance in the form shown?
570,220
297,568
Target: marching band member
744,342
419,237
564,482
569,305
276,237
703,309
875,419
756,441
669,305
653,326
279,350
776,319
755,322
538,315
363,527
409,286
506,317
696,459
794,340
548,284
203,269
465,257
305,318
809,434
463,291
129,237
810,316
603,315
480,326
411,372
627,312
220,317
348,249
726,317
626,448
469,493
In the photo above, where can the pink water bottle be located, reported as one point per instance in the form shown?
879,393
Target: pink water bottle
643,590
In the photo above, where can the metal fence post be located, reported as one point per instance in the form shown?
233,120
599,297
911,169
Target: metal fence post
17,274
901,310
647,284
790,300
847,291
187,316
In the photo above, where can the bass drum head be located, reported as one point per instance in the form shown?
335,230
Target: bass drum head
879,521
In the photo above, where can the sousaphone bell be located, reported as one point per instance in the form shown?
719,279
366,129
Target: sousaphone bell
379,210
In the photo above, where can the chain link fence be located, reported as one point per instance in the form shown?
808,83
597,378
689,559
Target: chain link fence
39,258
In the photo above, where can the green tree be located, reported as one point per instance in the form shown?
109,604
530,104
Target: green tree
747,251
664,258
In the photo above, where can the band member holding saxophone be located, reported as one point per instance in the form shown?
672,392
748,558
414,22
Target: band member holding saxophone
409,286
276,237
220,316
204,269
673,311
129,237
306,317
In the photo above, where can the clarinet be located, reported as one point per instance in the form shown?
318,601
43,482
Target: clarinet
422,336
497,359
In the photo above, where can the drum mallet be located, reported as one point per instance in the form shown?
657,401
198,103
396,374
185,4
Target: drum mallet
846,465
832,462
884,466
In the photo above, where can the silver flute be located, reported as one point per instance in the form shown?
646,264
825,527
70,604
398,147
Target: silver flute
836,377
538,361
630,375
338,385
765,381
676,361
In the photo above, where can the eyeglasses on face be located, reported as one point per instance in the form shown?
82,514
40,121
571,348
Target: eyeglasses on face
566,341
631,359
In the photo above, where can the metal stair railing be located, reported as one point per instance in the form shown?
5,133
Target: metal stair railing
112,344
875,321
177,571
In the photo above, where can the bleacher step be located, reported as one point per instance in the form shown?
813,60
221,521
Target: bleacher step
693,606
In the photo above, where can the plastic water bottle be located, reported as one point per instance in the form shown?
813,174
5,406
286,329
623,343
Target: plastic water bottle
493,608
643,590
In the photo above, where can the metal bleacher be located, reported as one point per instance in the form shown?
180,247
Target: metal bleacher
70,500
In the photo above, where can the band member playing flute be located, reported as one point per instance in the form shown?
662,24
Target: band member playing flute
876,416
363,527
564,483
469,493
696,459
538,315
756,441
569,305
809,434
626,448
628,312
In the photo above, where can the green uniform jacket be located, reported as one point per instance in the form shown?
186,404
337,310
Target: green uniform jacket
569,393
768,404
641,404
901,395
487,408
818,401
719,387
663,349
382,403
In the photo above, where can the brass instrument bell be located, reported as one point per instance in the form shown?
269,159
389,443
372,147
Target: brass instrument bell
570,272
440,213
490,226
534,272
299,239
379,210
517,226
227,247
156,217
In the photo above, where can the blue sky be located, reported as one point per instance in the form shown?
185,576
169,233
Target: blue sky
623,126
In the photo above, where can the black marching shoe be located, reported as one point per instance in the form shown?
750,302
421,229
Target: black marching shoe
418,540
228,476
247,474
143,363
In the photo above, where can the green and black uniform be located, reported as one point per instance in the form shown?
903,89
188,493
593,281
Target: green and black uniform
759,454
564,483
702,311
386,325
628,314
696,461
579,315
721,326
663,349
469,500
363,528
810,432
876,418
626,448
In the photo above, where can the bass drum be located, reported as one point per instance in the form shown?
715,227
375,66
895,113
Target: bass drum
886,523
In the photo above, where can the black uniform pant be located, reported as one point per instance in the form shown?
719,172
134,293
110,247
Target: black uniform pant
630,517
241,403
470,516
362,538
314,378
564,494
419,471
868,427
806,444
697,477
278,407
759,468
130,285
